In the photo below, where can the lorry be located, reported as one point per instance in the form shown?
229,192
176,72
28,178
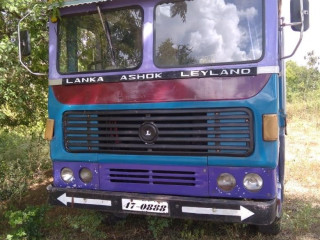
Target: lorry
170,108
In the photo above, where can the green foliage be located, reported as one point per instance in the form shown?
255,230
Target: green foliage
84,46
303,82
54,5
179,8
22,95
22,162
157,225
86,223
191,232
302,218
169,55
26,224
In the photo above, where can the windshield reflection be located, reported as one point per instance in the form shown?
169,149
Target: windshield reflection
208,31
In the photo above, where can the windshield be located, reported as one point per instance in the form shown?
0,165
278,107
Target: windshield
84,46
200,32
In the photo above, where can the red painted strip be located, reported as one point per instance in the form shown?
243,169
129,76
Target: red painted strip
196,89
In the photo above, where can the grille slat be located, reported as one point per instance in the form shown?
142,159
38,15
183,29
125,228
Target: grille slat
155,147
148,146
160,139
171,132
160,125
236,111
160,118
68,132
210,132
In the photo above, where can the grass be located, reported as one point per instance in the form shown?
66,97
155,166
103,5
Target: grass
23,160
303,151
301,219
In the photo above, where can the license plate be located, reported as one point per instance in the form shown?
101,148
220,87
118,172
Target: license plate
144,206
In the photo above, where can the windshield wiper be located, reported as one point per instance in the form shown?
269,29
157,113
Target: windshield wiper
106,29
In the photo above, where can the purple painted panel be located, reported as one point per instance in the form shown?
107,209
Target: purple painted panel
268,190
170,180
270,53
76,182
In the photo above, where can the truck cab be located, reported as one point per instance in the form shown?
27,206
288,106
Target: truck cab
170,108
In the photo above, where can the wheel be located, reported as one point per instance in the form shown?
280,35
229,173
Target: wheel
271,229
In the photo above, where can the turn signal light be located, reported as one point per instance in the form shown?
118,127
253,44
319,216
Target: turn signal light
48,135
270,127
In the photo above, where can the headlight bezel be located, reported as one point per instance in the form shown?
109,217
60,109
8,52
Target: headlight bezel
226,182
67,175
88,175
252,179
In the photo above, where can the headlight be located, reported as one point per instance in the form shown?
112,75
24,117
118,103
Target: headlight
226,182
85,175
67,175
253,182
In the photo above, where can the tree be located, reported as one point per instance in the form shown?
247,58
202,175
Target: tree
179,8
303,80
313,75
22,95
169,55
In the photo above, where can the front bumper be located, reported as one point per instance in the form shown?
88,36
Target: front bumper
219,210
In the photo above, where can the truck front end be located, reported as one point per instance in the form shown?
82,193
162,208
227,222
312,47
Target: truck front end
168,108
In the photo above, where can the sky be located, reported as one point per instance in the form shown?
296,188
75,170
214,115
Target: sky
209,31
311,38
227,16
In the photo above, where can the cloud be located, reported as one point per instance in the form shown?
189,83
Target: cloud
216,31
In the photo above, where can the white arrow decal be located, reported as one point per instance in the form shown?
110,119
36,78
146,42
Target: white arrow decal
64,199
243,213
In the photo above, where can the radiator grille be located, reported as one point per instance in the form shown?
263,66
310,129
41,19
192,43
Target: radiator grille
220,131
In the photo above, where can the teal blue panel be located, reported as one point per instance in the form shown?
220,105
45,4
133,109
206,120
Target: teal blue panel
265,153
